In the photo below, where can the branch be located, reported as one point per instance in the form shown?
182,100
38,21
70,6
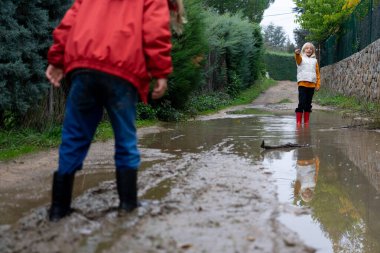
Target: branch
287,145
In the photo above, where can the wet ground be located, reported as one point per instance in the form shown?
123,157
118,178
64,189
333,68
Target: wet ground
207,186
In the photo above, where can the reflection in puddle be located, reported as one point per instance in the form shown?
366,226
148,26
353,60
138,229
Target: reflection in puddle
291,178
282,165
340,175
308,230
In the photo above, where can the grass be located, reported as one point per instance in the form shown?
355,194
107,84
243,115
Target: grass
285,101
210,103
350,105
279,53
249,111
327,98
15,143
18,142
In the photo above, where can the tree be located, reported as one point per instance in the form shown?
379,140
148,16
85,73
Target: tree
188,54
300,36
235,52
25,35
350,4
322,18
21,66
274,37
289,46
252,9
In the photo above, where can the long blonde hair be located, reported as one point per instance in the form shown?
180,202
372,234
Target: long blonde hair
177,12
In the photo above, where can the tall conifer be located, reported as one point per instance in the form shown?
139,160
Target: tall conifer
25,33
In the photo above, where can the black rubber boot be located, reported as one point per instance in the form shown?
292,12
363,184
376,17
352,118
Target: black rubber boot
61,196
126,181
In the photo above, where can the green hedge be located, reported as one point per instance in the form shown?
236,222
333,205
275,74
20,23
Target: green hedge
281,66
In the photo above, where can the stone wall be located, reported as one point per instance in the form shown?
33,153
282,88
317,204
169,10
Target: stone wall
357,75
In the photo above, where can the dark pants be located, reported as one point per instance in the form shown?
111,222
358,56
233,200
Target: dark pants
305,97
90,93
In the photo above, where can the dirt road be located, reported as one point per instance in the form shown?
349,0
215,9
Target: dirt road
215,202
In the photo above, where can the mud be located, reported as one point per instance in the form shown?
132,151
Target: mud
194,199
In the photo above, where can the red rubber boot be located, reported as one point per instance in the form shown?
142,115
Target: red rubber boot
306,118
299,118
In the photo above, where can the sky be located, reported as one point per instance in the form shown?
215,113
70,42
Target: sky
286,20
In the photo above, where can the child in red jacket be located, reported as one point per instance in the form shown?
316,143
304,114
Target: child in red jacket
111,50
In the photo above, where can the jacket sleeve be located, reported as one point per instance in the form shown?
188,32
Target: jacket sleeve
318,84
56,51
157,38
298,58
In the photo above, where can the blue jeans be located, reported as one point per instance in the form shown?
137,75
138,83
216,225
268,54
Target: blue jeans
90,92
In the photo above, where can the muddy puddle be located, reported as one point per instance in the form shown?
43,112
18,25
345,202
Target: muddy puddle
326,193
337,176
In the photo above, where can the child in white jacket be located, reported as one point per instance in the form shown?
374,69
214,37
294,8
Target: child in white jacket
308,79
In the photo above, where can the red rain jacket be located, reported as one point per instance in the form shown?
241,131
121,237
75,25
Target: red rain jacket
129,39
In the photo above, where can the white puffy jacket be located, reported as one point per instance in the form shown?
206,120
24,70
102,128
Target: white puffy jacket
306,70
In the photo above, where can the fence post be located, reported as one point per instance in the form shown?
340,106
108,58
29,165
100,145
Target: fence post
370,20
319,54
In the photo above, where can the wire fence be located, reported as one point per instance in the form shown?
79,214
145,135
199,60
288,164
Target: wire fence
361,29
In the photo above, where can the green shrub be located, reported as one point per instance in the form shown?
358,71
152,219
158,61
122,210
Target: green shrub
188,53
281,66
235,46
145,112
202,102
234,87
166,112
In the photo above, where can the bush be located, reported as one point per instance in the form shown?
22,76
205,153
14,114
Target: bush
207,102
235,52
234,87
145,112
281,66
188,53
166,112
